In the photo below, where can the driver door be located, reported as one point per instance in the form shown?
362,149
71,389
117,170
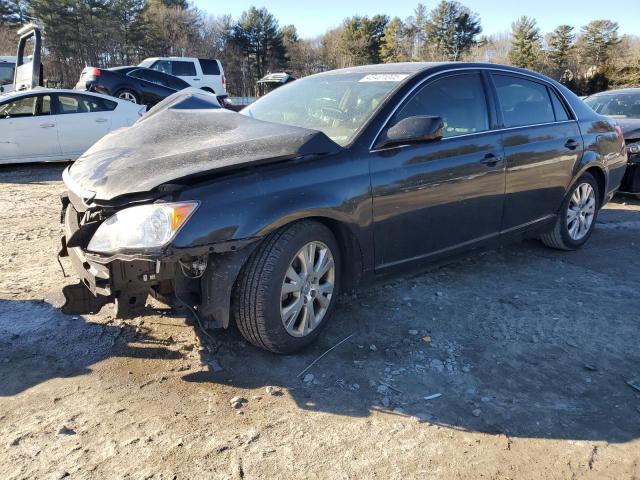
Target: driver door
431,199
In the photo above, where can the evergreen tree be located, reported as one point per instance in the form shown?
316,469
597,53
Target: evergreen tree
560,46
452,29
392,47
525,44
598,38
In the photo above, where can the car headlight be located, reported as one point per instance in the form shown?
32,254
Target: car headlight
634,148
141,227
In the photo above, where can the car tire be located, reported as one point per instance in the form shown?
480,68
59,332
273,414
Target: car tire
128,95
266,294
208,90
572,230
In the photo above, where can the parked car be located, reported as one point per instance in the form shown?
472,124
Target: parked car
7,70
203,73
624,107
262,217
134,84
48,124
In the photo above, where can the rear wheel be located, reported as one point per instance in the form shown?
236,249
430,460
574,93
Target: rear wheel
577,217
285,293
128,95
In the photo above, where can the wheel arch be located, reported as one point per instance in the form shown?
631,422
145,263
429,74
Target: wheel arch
592,163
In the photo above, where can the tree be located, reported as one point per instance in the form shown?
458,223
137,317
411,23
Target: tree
560,47
452,29
525,44
361,38
261,41
598,38
393,47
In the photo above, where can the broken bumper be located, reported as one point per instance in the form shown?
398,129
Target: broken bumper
107,280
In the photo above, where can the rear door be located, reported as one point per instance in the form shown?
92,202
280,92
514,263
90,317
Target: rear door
542,143
82,121
28,130
434,198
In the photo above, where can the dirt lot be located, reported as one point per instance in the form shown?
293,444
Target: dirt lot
529,348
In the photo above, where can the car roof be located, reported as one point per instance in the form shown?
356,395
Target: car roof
414,68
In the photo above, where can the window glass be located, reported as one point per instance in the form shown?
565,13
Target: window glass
6,73
616,104
558,107
35,105
337,104
163,66
460,101
209,67
70,103
183,69
523,102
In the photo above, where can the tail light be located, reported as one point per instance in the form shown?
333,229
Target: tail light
94,72
224,83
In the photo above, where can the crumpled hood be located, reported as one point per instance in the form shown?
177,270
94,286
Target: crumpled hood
174,143
630,128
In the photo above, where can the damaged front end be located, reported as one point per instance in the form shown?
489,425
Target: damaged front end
200,277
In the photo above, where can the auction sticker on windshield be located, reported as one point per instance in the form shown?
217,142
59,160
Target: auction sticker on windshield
384,77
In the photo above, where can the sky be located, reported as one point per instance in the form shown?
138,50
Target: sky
313,18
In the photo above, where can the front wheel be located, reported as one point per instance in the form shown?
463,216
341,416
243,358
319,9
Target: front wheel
285,293
577,216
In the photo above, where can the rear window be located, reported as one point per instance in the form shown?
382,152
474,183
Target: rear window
6,73
209,67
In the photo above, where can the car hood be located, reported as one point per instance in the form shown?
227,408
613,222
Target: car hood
172,144
630,128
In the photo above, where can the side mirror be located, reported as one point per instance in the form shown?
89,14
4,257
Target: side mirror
416,129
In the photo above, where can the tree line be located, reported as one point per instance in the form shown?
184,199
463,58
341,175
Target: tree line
106,33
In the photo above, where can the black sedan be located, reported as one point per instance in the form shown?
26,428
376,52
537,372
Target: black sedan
624,107
262,217
135,84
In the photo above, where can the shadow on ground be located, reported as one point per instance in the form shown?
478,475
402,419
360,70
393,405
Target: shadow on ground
33,173
38,343
523,341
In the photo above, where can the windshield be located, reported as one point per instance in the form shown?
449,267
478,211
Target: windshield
6,73
338,105
623,105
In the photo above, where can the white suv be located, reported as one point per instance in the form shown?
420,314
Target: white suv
201,73
7,68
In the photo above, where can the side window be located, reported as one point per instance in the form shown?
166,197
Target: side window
558,107
163,66
183,69
523,102
209,67
6,73
32,106
70,103
460,100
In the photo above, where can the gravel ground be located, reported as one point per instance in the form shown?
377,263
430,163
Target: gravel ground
522,353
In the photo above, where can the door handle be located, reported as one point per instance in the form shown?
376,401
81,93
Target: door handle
101,120
196,79
47,125
571,144
491,160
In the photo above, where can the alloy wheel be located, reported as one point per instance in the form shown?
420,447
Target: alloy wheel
128,96
581,211
307,289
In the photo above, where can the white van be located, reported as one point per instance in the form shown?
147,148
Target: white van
7,69
203,73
